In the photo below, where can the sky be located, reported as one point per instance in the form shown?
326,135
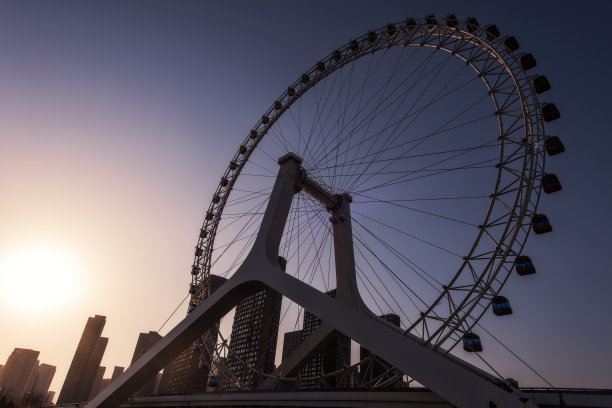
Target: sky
117,120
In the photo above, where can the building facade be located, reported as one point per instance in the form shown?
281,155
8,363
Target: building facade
335,355
189,372
85,363
144,343
254,335
19,373
95,388
290,342
43,380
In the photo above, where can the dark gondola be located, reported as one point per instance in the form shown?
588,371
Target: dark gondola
540,224
472,25
431,21
451,20
501,306
528,61
410,24
511,44
550,112
553,145
550,183
524,266
492,32
471,342
541,84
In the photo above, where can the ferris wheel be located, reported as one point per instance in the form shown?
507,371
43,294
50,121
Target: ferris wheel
433,130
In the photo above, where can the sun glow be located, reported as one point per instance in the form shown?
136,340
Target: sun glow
40,278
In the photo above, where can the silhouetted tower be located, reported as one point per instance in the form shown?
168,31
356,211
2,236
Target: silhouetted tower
95,388
19,373
117,371
290,342
85,363
43,380
186,374
254,335
144,343
335,354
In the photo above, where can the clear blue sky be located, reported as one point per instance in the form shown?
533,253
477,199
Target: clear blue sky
118,118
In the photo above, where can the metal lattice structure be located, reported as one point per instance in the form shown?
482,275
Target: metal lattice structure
501,233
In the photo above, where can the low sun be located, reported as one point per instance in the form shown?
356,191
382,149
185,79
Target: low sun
37,279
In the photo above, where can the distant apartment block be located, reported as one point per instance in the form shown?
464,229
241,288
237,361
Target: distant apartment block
290,342
335,355
144,343
254,335
43,380
85,363
189,372
19,373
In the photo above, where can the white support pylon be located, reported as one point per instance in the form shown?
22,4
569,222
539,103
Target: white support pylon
461,384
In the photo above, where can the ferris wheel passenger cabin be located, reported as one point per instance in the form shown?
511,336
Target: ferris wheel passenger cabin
540,224
471,342
553,145
501,306
550,183
524,265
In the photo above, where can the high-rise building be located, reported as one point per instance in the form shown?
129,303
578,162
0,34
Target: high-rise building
43,380
117,371
19,373
290,342
50,396
95,388
188,373
254,334
376,370
103,384
335,355
85,363
144,343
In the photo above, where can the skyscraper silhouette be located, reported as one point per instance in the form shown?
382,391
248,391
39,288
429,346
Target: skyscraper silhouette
144,343
85,363
19,373
254,334
334,355
185,375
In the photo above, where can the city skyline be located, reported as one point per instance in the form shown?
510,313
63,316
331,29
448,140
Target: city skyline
116,141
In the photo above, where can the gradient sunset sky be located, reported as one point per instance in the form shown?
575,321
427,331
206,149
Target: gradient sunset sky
117,120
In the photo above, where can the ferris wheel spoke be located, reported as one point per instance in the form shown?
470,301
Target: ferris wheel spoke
392,137
369,285
394,102
437,132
